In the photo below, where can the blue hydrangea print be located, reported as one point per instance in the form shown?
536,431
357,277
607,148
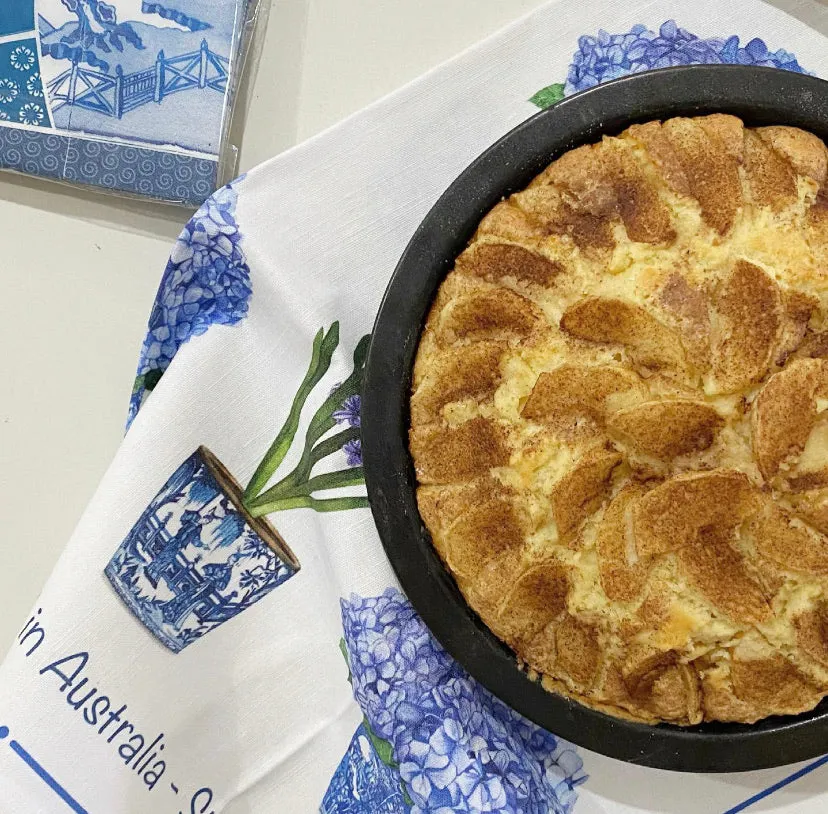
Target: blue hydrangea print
605,56
206,282
454,746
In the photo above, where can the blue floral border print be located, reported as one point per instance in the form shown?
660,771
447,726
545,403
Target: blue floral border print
21,89
606,56
207,281
433,739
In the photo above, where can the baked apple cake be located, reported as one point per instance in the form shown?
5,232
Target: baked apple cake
619,422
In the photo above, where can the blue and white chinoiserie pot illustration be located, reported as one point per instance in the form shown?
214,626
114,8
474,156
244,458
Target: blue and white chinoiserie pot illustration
203,551
197,557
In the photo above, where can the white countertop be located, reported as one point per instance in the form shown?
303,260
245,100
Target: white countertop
80,270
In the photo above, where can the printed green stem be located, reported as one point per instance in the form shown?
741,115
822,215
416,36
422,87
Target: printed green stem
329,480
323,349
336,504
323,421
309,459
354,476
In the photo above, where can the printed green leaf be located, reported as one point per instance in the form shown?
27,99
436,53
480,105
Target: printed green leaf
321,423
323,420
333,480
148,380
343,648
382,747
385,752
296,490
324,346
310,458
548,96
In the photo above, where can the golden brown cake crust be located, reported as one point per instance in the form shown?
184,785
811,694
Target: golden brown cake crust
619,422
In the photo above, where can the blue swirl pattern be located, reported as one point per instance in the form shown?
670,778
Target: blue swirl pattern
133,170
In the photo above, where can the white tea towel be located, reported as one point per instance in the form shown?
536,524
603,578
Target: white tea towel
223,632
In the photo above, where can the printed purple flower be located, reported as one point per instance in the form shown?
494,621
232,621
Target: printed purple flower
348,413
458,748
607,56
206,282
353,452
756,52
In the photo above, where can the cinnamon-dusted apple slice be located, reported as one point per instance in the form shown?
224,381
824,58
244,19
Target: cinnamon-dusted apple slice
455,374
710,168
667,429
785,412
444,454
771,179
578,651
719,572
504,262
570,393
605,180
783,538
615,322
798,308
581,490
747,689
653,138
674,514
747,318
812,507
805,151
659,683
812,632
773,685
623,573
509,222
587,224
688,307
817,223
488,313
441,505
486,532
537,598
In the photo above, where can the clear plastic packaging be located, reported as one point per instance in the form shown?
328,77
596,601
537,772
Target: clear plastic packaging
132,97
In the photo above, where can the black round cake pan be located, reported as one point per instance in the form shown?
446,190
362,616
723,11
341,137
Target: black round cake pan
759,96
